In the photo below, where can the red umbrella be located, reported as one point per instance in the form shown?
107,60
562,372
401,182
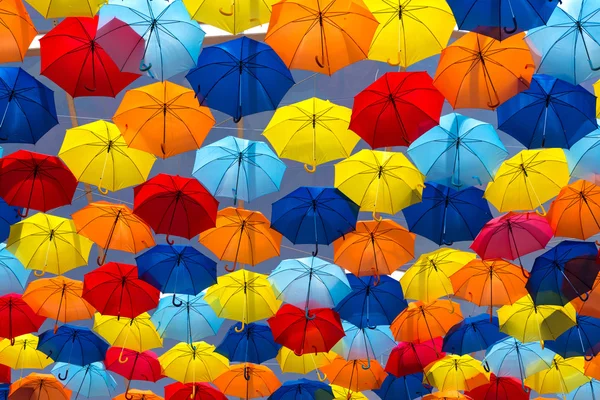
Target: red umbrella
184,391
410,358
499,388
73,57
513,235
33,180
316,330
186,207
138,367
17,317
115,289
396,109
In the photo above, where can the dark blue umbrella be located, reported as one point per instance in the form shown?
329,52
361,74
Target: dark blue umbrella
583,339
472,334
240,77
26,107
303,389
316,215
551,113
372,303
407,387
8,216
446,216
254,344
566,271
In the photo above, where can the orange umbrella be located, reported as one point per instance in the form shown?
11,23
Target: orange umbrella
425,321
38,387
592,368
59,298
356,375
321,35
575,213
242,236
113,226
477,71
247,381
375,248
447,395
135,394
590,307
16,31
164,119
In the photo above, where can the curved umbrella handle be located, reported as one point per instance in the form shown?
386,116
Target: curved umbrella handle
128,396
541,213
121,359
247,373
100,260
55,327
486,366
514,29
89,89
63,378
320,376
376,216
368,366
241,327
237,119
227,13
319,63
584,296
226,267
39,273
310,170
193,395
144,67
391,64
12,341
23,214
588,357
49,354
176,302
525,273
493,105
316,252
102,190
445,243
377,280
170,242
307,314
299,354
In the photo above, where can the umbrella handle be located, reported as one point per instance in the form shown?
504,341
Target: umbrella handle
390,63
376,216
176,303
300,354
444,242
39,273
226,267
486,366
193,395
584,296
63,378
3,138
23,214
321,377
588,357
310,170
144,67
316,252
12,341
525,273
89,89
169,242
319,63
541,213
514,29
102,190
227,13
100,260
247,373
493,105
377,280
368,366
121,359
308,316
241,327
237,119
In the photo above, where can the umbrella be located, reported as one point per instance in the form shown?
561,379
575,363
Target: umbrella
407,387
565,375
39,387
24,173
248,381
477,71
242,236
136,394
551,113
303,389
183,391
379,181
411,358
17,317
77,8
191,363
582,156
22,353
177,269
459,152
575,212
374,248
232,16
499,387
142,366
364,343
312,132
240,77
342,393
172,40
426,321
289,362
98,155
321,36
408,31
316,215
17,31
138,334
255,344
356,375
580,340
115,289
28,105
13,276
113,226
396,109
164,119
473,334
90,380
239,169
585,391
72,56
455,372
8,216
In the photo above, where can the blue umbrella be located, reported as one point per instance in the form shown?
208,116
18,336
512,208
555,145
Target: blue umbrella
8,216
91,380
238,168
407,387
566,271
459,152
583,156
172,40
27,107
570,42
13,275
472,334
303,389
240,77
587,391
583,339
316,215
446,216
253,344
361,343
551,113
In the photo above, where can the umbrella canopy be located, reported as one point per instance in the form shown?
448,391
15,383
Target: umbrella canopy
407,387
583,339
240,77
289,362
575,212
585,391
321,36
477,71
136,394
73,345
499,387
232,16
39,387
364,343
60,9
565,375
473,334
191,363
17,317
184,391
426,321
22,353
137,333
342,393
248,381
411,358
456,373
509,357
355,375
13,275
90,380
590,307
255,344
303,389
137,366
582,156
17,31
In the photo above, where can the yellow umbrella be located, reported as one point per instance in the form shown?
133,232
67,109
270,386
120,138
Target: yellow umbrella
97,154
47,243
243,296
191,363
529,179
289,362
341,393
409,30
312,132
233,16
456,373
66,8
379,181
23,353
428,278
563,376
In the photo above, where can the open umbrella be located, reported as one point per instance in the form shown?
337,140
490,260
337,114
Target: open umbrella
586,391
60,9
407,387
191,363
364,343
184,391
356,375
248,381
289,362
582,156
39,387
138,366
137,394
13,275
563,376
137,333
411,358
473,334
233,16
455,372
17,317
342,393
17,31
583,339
90,380
303,389
255,344
575,212
22,353
499,387
426,321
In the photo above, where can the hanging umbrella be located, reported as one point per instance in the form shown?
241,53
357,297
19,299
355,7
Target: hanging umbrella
22,353
379,181
356,375
72,56
17,31
240,77
303,389
8,216
303,364
13,275
364,343
582,156
460,152
113,226
407,387
38,387
59,9
24,173
396,109
411,358
191,363
138,366
499,387
248,381
136,394
312,132
477,71
90,380
233,16
473,334
588,390
342,393
374,248
321,36
98,155
172,40
456,373
255,344
138,334
28,106
239,169
580,340
17,317
551,113
565,375
242,236
184,391
316,215
426,321
575,212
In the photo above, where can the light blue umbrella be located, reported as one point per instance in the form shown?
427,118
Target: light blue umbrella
13,275
587,391
171,39
189,322
238,168
584,155
570,42
91,380
459,152
361,343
